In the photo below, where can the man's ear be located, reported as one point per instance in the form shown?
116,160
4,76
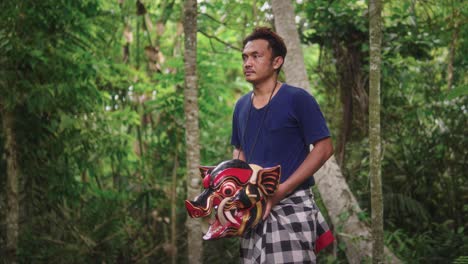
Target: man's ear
277,62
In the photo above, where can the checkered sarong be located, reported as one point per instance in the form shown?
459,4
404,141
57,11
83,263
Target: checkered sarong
293,232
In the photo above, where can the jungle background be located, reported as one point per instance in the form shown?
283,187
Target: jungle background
92,101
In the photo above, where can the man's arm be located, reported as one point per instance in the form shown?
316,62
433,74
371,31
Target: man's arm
322,151
238,154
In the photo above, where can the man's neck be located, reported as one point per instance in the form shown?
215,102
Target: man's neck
263,93
265,88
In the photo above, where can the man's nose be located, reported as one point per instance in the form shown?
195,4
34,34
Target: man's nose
248,62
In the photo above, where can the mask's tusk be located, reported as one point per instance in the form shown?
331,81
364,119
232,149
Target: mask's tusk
231,218
221,217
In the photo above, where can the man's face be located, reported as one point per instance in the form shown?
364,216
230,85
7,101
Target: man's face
257,61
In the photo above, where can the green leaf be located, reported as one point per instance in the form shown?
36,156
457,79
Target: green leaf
458,92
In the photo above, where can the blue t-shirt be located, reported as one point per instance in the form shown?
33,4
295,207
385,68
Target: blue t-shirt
292,122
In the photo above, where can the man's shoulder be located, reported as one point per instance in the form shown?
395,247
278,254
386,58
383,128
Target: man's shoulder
246,96
293,90
298,96
244,99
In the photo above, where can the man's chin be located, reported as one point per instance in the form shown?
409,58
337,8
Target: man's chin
250,79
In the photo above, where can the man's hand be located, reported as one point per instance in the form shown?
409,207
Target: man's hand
269,205
274,200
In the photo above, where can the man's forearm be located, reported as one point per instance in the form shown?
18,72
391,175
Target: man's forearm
321,152
238,154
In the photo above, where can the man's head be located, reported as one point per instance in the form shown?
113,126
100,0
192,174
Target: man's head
275,43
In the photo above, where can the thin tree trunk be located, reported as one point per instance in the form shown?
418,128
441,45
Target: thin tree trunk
115,174
191,127
13,174
457,213
174,210
137,25
127,33
375,174
453,45
254,12
331,184
141,149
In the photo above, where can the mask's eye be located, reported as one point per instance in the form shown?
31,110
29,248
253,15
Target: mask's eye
228,189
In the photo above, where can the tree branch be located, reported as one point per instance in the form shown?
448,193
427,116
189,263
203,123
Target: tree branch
212,18
219,40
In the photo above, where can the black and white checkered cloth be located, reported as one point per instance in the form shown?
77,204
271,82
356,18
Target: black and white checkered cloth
293,233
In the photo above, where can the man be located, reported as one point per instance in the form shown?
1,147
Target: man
275,124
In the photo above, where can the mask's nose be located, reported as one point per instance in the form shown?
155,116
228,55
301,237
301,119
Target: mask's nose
195,211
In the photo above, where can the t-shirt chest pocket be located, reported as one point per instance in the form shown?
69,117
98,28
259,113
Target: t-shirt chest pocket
282,129
281,122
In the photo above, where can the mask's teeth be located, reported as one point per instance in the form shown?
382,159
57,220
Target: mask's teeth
231,218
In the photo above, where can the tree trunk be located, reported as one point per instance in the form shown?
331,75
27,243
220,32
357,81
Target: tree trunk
343,210
375,174
191,127
331,184
137,61
453,45
352,83
285,25
13,174
346,98
174,209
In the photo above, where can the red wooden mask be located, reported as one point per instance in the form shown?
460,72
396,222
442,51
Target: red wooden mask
234,198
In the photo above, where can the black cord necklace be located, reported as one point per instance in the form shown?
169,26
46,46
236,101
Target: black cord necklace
261,122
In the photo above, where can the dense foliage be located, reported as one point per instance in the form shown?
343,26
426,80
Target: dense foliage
95,87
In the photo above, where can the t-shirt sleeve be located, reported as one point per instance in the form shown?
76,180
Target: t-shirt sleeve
235,137
310,118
